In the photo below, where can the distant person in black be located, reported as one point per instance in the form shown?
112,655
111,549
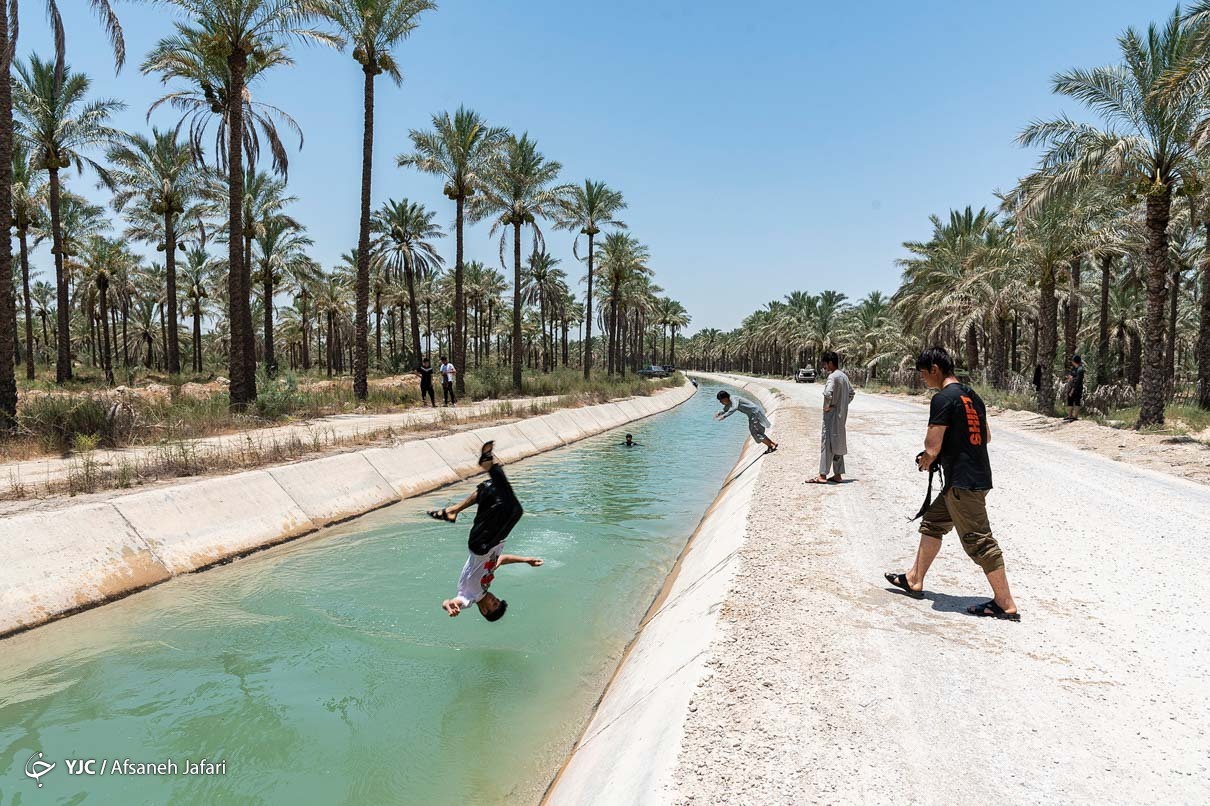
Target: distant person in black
957,440
629,443
1075,389
425,373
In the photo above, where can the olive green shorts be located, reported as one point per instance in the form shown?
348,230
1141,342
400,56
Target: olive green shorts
966,512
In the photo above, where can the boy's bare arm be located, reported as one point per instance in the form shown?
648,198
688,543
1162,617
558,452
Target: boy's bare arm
509,559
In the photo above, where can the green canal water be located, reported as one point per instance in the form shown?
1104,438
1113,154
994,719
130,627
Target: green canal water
325,672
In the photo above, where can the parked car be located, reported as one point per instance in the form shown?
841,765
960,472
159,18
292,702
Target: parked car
669,368
805,375
654,371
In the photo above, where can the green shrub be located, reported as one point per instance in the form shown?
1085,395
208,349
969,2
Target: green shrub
277,397
58,420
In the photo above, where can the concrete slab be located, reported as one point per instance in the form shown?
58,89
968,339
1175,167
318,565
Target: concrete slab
539,431
588,421
612,415
511,444
411,468
631,409
459,451
59,561
336,488
194,525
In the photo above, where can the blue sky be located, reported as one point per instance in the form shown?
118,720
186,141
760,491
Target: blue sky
763,147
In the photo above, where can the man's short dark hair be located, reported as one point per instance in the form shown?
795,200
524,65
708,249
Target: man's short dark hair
830,357
443,358
1077,359
722,394
498,613
935,357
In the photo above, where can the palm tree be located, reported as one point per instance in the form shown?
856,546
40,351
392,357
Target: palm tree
160,174
59,127
101,260
280,251
621,258
406,234
44,308
542,284
198,275
1148,142
374,28
235,31
460,149
517,191
28,198
584,211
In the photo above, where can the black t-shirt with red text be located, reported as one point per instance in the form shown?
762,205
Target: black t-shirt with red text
964,447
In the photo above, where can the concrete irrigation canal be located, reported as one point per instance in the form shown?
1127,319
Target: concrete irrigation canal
324,671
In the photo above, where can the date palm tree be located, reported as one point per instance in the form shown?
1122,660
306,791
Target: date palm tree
225,39
159,174
622,257
59,126
28,200
1148,142
585,211
197,277
542,283
406,233
374,28
459,148
280,251
518,189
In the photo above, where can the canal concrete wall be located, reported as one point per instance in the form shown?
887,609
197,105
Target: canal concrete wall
629,749
56,562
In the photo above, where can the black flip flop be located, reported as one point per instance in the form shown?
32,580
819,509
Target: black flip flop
442,515
900,581
990,609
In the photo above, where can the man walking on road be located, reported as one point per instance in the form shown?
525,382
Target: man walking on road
834,441
957,440
448,371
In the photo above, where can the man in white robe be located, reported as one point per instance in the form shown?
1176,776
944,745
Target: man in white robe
833,445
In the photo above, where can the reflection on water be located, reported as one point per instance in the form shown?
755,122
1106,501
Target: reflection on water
325,672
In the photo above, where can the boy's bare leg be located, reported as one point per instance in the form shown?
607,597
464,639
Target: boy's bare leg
1000,592
926,552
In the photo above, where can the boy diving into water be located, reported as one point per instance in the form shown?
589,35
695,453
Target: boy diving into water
499,510
757,421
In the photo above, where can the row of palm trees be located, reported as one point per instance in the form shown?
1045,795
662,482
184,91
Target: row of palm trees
186,189
1116,218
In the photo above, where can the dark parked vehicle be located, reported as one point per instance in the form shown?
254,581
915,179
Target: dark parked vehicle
805,375
654,371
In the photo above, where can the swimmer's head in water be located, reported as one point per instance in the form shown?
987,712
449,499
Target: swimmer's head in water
491,607
629,438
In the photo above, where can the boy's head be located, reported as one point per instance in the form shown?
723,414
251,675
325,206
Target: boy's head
935,365
831,361
629,439
492,607
444,360
425,362
723,397
1075,359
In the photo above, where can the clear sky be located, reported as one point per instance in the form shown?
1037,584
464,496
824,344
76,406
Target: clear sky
763,147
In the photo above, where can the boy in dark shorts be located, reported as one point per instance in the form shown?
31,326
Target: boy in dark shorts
957,440
499,510
757,421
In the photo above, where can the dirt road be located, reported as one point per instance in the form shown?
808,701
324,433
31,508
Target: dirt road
827,685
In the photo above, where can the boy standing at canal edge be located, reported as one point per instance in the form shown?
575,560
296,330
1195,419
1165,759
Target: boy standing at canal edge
448,371
499,510
957,440
757,421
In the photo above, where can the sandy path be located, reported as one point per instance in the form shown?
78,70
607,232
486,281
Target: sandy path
827,686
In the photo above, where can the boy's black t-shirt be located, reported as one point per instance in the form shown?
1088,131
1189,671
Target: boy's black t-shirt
426,375
964,447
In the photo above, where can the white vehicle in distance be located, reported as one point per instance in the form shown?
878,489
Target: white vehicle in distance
805,375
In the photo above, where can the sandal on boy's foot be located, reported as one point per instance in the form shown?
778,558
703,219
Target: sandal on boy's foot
442,515
992,610
900,581
816,480
770,449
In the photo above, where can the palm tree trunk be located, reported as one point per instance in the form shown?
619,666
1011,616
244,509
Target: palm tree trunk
459,340
23,238
1203,332
125,322
1048,337
106,363
1170,347
174,349
1151,409
63,301
516,306
197,338
8,335
1103,321
361,356
241,355
377,327
306,336
542,331
972,348
1071,311
586,342
270,348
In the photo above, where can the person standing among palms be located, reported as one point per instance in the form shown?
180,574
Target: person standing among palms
1075,390
834,441
425,373
448,373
